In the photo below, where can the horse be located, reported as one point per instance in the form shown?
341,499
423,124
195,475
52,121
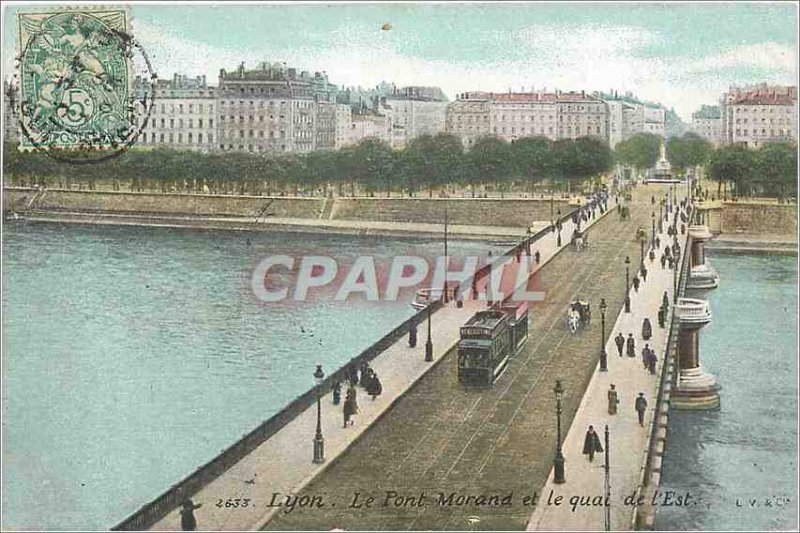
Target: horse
573,320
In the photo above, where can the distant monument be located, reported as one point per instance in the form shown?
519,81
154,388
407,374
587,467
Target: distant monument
663,170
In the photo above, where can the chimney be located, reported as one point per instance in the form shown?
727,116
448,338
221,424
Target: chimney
583,93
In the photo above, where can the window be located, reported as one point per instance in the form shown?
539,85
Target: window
171,137
189,138
210,138
241,134
199,138
190,109
180,137
211,123
190,123
161,137
199,122
172,123
180,123
162,122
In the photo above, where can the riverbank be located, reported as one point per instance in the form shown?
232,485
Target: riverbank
754,243
285,225
469,218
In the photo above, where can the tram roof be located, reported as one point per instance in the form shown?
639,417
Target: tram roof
488,320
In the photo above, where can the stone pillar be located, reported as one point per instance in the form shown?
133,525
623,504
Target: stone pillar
695,389
702,274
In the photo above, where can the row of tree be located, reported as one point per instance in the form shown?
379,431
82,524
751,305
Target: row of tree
428,163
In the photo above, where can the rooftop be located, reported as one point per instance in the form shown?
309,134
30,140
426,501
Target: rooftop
708,111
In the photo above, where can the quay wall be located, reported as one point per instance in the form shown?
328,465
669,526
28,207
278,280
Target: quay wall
184,204
517,212
752,218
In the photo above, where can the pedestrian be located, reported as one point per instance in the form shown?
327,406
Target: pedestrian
536,256
375,387
558,241
665,302
653,200
337,393
652,255
188,521
620,340
631,346
412,336
651,361
661,316
645,355
591,444
636,283
350,405
641,407
613,400
647,329
643,271
658,242
663,260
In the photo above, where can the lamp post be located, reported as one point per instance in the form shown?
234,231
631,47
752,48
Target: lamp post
607,468
444,294
653,229
558,460
675,284
627,284
429,342
642,238
319,442
603,354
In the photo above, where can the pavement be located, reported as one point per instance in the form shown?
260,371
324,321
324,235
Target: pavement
628,440
282,465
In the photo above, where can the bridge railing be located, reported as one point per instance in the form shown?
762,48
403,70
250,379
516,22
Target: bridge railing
160,507
639,513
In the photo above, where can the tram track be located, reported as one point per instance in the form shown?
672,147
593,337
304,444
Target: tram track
440,437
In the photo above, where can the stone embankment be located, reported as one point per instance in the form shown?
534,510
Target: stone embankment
488,217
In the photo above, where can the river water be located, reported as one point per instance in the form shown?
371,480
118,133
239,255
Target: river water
739,463
133,355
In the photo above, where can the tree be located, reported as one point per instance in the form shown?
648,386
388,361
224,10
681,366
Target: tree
731,164
579,159
776,169
434,160
687,151
490,161
640,151
532,158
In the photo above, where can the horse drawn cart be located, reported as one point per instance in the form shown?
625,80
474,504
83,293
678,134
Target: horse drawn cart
579,315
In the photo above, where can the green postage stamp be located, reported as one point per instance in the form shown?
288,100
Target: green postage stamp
75,79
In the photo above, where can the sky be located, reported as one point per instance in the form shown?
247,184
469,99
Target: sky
680,54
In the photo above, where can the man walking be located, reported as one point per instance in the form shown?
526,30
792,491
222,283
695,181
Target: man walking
645,355
641,407
631,346
620,340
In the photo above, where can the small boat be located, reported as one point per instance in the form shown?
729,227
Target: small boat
424,297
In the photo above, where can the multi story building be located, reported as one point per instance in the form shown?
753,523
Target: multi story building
581,115
415,111
707,123
759,114
654,119
274,109
333,121
512,116
366,123
470,117
183,117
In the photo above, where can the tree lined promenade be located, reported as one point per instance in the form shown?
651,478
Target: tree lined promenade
430,165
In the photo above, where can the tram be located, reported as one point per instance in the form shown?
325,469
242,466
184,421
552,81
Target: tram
488,340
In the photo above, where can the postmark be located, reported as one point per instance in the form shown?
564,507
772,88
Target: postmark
86,85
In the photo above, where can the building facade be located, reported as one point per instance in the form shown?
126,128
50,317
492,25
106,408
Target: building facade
275,109
511,116
707,123
183,116
759,114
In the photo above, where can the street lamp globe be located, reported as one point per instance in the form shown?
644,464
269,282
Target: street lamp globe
559,391
603,306
319,375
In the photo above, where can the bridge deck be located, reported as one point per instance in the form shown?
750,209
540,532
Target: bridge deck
441,438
